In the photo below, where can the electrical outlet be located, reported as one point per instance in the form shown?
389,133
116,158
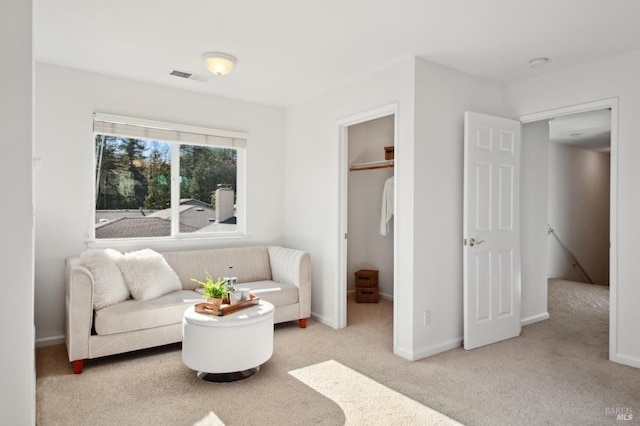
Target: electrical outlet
427,317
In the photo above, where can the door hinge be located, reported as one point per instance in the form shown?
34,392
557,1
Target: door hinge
345,235
464,242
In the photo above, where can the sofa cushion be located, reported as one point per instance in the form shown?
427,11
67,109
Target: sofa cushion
108,284
147,274
132,315
278,294
249,264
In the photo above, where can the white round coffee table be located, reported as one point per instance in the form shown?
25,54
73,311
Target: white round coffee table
229,347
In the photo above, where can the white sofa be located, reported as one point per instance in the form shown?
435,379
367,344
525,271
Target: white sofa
278,275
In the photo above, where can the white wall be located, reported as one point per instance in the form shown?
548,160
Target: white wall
428,172
65,102
367,249
442,97
534,203
579,213
17,387
615,77
312,190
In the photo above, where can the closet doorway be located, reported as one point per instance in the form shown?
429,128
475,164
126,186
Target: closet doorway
368,237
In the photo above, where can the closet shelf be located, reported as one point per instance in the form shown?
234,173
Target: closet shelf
372,165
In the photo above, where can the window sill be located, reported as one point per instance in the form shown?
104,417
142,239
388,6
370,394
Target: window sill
166,243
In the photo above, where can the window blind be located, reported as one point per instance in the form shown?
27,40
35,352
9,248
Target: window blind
116,125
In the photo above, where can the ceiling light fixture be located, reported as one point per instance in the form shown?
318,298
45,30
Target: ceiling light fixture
219,63
538,62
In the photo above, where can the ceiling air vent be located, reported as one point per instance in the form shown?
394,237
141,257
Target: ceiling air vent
189,76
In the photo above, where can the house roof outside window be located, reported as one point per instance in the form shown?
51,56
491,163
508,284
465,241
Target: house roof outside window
195,216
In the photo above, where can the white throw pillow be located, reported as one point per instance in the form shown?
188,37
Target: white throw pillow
108,285
147,274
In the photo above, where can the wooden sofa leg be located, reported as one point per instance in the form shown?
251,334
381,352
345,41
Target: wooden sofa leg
77,366
303,322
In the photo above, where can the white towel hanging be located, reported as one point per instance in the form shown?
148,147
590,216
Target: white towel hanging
387,207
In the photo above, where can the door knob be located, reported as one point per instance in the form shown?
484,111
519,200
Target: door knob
474,242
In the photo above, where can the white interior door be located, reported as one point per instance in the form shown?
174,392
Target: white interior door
491,229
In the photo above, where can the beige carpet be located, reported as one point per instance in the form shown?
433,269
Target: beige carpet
557,372
364,401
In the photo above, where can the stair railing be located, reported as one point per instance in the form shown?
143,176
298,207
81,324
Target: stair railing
574,262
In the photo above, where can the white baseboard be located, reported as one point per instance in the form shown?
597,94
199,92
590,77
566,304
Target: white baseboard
324,320
626,360
386,296
436,349
540,317
49,341
404,353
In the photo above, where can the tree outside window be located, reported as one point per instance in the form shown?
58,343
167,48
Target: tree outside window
134,187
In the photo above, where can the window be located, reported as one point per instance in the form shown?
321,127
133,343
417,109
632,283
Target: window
162,180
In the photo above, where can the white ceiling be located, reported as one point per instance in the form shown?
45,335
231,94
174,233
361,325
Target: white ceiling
292,50
587,130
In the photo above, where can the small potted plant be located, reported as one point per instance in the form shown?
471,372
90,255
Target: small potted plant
213,291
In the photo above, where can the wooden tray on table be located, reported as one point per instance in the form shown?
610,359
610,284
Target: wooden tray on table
226,309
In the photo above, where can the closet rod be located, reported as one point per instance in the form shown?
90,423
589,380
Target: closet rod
372,165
